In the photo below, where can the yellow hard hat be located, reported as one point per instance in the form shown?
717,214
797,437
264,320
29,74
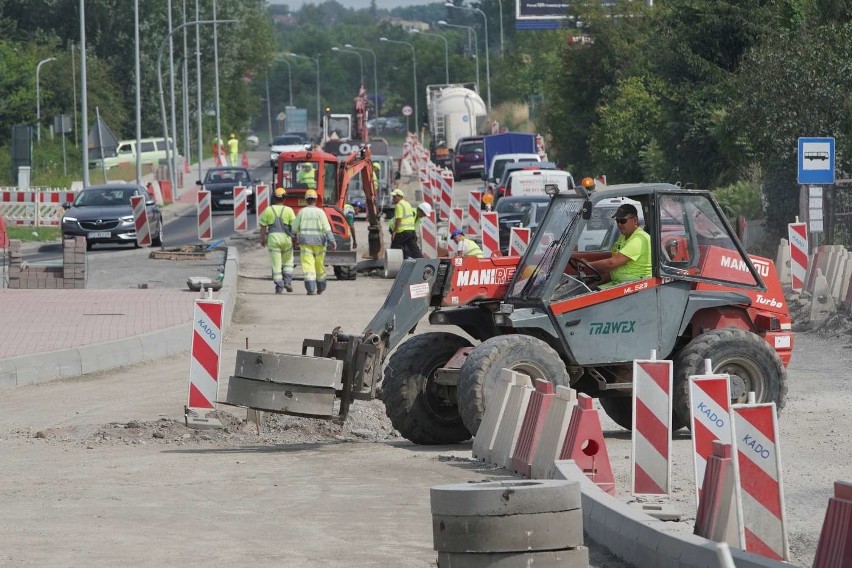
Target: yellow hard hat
311,194
280,192
233,135
398,192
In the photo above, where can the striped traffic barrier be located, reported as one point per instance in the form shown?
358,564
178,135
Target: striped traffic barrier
429,236
204,214
490,235
651,465
835,539
240,209
797,234
447,189
205,354
456,220
584,443
758,486
519,238
553,433
425,185
483,443
510,425
532,426
261,196
709,407
140,220
474,212
716,517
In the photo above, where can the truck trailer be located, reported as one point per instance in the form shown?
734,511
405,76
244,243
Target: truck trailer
455,111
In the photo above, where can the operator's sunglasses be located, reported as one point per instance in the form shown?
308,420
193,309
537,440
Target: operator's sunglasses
623,221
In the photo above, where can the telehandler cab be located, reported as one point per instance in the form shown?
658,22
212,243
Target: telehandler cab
542,315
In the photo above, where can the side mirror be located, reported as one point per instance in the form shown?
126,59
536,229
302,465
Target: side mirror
484,176
66,205
198,182
397,175
587,210
151,203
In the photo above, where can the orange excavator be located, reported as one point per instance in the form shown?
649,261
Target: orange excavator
316,169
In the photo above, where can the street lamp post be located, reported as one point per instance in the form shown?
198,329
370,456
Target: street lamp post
487,64
500,6
414,67
172,173
446,50
38,97
375,73
475,45
268,109
319,109
289,79
360,59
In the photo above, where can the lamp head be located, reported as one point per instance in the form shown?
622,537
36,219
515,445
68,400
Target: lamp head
449,5
349,45
383,39
335,49
442,23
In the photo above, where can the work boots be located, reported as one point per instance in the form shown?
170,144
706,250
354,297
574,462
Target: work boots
288,282
279,286
321,286
311,287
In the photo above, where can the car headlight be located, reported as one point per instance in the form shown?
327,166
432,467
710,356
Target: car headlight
273,155
69,219
126,219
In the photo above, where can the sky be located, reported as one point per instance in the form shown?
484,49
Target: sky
386,4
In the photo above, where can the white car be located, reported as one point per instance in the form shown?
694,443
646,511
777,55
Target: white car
284,143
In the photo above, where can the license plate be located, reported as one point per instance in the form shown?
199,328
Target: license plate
99,235
226,201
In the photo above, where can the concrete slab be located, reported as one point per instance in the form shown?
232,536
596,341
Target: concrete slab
513,417
283,398
553,435
288,368
483,443
512,497
567,558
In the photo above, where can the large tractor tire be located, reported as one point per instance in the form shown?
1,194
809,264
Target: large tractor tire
736,352
423,411
346,272
481,371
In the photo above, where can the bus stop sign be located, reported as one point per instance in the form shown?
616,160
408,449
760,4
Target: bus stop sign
816,161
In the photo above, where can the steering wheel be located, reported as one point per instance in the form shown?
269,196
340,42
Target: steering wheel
585,271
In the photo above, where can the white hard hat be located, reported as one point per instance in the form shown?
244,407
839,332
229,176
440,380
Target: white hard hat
426,208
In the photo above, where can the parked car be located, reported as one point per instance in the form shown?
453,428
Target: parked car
284,143
220,182
302,135
511,212
468,157
500,187
103,214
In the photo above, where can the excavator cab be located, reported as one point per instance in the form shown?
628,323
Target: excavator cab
301,171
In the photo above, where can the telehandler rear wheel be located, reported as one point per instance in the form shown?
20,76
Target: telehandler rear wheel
423,411
736,352
345,272
481,370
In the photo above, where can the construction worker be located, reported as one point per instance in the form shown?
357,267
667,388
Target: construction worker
465,246
313,233
276,231
404,234
349,211
377,168
306,176
423,210
631,253
233,148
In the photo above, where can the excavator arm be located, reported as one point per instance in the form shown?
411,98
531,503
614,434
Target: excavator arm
360,164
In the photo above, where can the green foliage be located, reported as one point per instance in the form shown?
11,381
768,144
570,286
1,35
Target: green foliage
740,198
41,234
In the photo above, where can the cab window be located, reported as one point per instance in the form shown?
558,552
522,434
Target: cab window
330,183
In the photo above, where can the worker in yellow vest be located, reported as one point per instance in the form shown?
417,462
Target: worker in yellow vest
465,246
404,234
234,148
313,233
276,230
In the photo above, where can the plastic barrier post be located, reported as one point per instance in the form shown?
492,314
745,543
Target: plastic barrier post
553,434
240,210
651,467
204,215
429,236
140,220
510,425
519,239
835,540
474,212
483,443
261,200
490,235
532,426
584,443
797,234
456,220
447,189
205,352
709,407
717,518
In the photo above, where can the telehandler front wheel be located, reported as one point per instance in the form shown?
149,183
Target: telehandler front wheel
423,411
752,363
481,370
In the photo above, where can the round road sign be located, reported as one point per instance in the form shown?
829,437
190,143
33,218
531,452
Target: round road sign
407,110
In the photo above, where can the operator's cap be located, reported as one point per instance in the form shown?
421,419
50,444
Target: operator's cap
625,211
280,192
456,233
398,192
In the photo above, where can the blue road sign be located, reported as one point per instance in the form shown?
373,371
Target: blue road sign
816,160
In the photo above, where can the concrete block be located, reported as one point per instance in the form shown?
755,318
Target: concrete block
483,443
822,303
553,435
290,369
8,374
166,342
103,356
836,284
513,417
508,533
782,263
282,398
566,558
46,366
512,497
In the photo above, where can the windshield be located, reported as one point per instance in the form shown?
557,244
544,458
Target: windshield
105,197
547,246
228,176
471,147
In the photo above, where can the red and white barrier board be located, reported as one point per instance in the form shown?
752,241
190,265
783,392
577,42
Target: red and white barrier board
425,185
261,198
446,179
490,235
519,238
205,354
709,407
429,236
474,212
36,206
456,220
758,484
204,212
140,220
651,467
797,234
240,209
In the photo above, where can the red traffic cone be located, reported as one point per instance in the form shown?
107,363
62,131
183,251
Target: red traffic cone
584,443
245,162
186,166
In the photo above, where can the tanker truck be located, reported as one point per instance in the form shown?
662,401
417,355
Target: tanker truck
455,111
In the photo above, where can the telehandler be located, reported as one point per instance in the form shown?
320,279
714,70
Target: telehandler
543,315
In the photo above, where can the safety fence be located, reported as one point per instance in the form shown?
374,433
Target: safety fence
35,206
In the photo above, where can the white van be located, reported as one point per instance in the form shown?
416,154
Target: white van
532,182
498,164
152,150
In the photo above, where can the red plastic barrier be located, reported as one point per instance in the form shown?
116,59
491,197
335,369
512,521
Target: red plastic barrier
245,162
716,518
835,541
4,238
532,426
584,443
